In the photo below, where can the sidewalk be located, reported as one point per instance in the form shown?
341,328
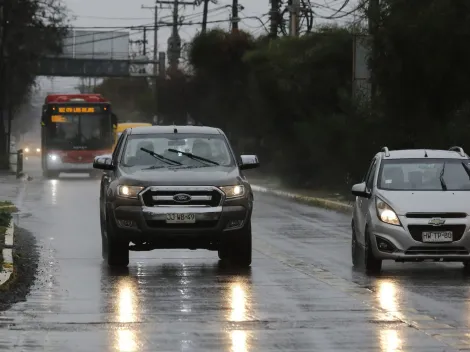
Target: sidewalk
323,199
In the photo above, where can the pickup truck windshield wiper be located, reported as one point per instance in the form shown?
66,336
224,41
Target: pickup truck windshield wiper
161,157
441,177
195,157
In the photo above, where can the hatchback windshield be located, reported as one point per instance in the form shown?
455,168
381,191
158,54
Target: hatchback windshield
208,146
424,175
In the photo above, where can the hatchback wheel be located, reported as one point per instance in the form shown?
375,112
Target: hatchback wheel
355,250
371,263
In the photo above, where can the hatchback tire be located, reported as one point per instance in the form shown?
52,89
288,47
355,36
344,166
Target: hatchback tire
355,249
372,265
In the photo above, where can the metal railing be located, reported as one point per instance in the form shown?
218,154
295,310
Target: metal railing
19,162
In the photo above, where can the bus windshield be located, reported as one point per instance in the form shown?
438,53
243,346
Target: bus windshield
91,131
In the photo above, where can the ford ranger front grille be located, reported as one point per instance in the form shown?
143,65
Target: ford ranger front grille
190,196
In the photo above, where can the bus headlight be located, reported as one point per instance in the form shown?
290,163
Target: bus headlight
38,150
53,157
26,150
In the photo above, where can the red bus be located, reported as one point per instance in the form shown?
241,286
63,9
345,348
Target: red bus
75,129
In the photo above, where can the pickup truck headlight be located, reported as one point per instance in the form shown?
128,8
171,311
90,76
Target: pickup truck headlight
129,191
385,213
233,191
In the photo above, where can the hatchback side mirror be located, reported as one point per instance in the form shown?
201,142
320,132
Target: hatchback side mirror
360,190
103,162
249,162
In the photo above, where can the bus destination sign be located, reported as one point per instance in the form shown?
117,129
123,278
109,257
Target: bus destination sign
77,110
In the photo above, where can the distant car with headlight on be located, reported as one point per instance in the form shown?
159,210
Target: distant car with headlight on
168,187
413,206
31,149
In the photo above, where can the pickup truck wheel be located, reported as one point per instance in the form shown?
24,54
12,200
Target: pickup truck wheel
115,250
237,247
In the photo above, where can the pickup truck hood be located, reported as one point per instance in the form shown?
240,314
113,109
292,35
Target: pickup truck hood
200,176
427,201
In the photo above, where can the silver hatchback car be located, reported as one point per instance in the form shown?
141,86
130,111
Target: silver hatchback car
413,205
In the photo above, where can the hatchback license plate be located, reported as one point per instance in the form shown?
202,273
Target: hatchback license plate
180,218
441,236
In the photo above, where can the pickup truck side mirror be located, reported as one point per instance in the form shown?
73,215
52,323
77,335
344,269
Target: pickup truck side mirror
103,162
249,162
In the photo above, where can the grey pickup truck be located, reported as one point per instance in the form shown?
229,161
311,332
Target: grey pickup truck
175,187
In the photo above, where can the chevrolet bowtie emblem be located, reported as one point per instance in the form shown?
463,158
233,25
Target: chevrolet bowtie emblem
436,222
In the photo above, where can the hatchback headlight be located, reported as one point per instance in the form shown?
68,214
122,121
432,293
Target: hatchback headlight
129,191
385,213
233,191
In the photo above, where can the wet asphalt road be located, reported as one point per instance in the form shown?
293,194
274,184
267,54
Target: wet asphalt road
300,295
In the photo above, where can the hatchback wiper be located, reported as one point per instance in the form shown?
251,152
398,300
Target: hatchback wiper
467,170
441,177
195,157
161,157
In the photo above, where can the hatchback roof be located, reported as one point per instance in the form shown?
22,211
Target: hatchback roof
422,153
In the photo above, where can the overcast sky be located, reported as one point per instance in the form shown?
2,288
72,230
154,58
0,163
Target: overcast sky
122,14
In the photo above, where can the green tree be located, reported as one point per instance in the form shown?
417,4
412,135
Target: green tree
30,30
422,69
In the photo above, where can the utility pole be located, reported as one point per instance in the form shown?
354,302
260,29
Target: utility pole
155,36
294,22
235,18
374,18
174,42
144,42
204,16
274,18
155,55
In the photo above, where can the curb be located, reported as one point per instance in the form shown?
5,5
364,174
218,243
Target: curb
7,269
319,202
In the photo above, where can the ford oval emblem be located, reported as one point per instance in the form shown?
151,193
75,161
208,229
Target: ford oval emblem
182,198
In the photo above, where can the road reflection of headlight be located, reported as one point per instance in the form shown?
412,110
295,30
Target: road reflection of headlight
238,303
387,297
127,313
54,191
389,341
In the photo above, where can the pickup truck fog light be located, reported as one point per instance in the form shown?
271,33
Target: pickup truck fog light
127,223
234,224
385,245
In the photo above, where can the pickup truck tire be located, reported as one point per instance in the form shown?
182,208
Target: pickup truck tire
114,249
236,248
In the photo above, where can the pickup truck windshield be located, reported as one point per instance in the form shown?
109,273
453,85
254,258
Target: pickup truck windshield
210,147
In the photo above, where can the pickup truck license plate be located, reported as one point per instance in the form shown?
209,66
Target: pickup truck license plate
441,236
180,218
